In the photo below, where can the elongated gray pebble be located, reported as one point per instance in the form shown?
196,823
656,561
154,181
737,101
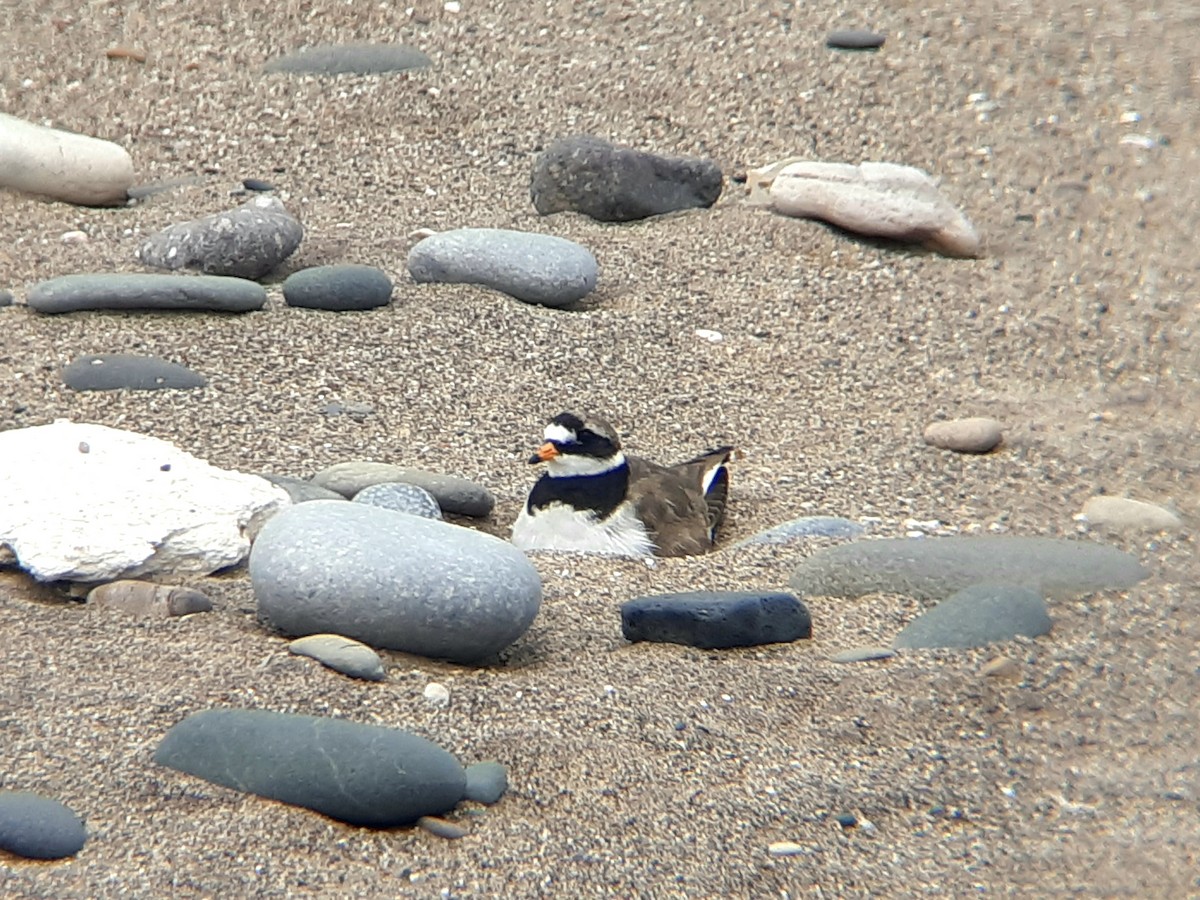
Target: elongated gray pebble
125,371
978,616
805,527
208,293
716,619
38,827
350,59
854,39
443,828
862,654
342,654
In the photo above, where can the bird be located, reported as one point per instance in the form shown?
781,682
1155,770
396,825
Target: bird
595,498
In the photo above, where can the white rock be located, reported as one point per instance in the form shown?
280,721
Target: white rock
1134,515
128,506
437,694
879,199
63,165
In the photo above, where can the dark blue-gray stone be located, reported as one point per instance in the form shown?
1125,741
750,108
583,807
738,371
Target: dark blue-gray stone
208,293
38,827
360,774
400,497
977,616
342,654
246,242
847,820
934,568
486,782
716,619
534,268
302,491
338,288
611,183
350,59
457,496
117,371
854,39
805,527
394,581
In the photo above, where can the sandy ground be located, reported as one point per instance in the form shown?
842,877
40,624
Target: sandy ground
652,771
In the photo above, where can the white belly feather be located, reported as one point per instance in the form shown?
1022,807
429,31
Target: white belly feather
562,527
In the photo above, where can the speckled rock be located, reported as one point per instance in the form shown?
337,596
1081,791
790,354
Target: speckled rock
125,371
360,774
350,59
974,435
342,654
977,616
400,497
207,293
716,619
38,827
1124,514
454,495
619,184
338,288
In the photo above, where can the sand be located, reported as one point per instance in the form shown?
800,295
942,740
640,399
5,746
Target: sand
644,770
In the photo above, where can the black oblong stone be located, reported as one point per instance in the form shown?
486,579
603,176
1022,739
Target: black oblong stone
854,39
340,288
716,619
38,827
360,774
117,371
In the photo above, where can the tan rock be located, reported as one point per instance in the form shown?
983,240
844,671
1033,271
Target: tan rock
1131,515
974,435
63,165
147,599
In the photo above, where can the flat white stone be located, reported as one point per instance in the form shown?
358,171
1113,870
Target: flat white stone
82,502
1132,515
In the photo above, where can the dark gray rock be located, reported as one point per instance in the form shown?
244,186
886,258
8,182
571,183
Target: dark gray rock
350,59
487,782
247,242
400,497
934,568
338,288
38,827
124,371
6,298
854,39
302,491
341,654
360,774
805,527
257,184
394,581
454,495
716,619
619,184
535,268
208,293
977,616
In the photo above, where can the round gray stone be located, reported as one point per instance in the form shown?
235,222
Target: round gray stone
210,293
38,827
487,782
454,495
401,497
342,654
117,371
338,288
350,59
394,581
976,616
535,268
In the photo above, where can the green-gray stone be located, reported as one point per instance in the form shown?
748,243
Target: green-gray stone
976,616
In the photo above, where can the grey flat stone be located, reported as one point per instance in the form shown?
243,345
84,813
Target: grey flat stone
38,827
342,654
1125,514
977,616
934,568
338,288
209,293
805,527
487,782
124,371
400,497
457,496
395,581
611,183
854,39
716,619
862,654
246,242
350,59
301,490
535,268
360,774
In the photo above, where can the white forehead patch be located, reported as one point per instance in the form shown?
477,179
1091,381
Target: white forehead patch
559,433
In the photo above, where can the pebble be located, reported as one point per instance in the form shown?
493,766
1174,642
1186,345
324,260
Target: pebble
854,39
342,654
454,495
350,59
1124,514
612,183
977,616
436,694
257,184
210,293
6,298
805,527
148,599
62,165
847,820
716,619
1001,667
246,242
487,782
400,497
975,435
302,491
442,828
931,568
862,654
785,848
125,371
534,268
38,827
400,582
884,200
338,288
364,775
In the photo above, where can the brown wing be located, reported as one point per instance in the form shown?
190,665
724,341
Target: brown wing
680,518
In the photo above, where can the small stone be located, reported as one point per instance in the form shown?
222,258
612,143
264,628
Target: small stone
977,435
246,242
62,165
1001,667
534,268
210,293
854,39
354,410
6,298
125,371
847,820
147,599
38,827
805,527
716,619
456,496
785,848
862,654
1124,514
338,288
350,59
302,491
611,183
442,828
437,694
487,782
401,497
977,616
342,654
257,184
